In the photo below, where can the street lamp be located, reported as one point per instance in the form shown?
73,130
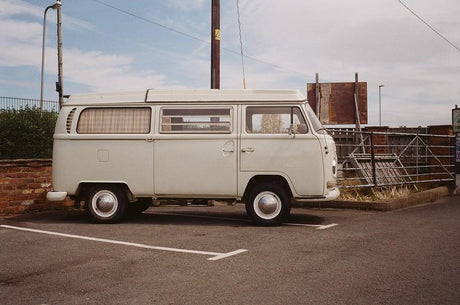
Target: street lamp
54,6
380,105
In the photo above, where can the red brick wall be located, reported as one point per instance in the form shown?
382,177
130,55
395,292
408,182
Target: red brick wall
380,140
24,184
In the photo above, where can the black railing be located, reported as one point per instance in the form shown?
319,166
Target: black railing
19,103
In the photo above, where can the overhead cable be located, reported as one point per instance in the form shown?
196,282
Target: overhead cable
428,25
195,37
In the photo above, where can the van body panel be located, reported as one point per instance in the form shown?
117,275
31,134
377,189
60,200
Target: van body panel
202,165
301,160
298,157
109,160
174,160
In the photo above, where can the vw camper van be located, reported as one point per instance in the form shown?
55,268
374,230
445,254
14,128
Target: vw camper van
263,148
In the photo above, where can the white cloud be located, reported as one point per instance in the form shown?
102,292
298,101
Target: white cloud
381,40
21,46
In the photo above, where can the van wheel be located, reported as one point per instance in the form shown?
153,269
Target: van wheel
268,204
106,204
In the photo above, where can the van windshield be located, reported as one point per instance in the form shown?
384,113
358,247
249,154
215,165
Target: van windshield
317,126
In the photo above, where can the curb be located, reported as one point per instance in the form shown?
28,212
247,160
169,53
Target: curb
387,205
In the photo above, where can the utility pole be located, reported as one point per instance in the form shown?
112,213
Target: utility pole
215,44
59,84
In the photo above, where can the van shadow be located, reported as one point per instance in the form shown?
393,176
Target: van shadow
211,217
208,216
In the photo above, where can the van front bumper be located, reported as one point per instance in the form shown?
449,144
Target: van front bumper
56,196
331,194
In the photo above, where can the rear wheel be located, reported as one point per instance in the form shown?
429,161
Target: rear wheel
106,204
268,204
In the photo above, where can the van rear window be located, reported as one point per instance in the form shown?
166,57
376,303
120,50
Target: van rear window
115,120
196,120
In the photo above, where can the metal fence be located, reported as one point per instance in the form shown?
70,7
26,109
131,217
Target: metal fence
384,159
19,103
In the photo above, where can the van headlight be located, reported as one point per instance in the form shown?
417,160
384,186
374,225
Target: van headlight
334,167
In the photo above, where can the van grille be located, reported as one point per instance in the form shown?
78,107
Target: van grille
68,124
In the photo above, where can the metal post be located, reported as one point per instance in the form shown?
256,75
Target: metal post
59,42
215,44
417,155
317,95
380,105
453,173
43,54
374,175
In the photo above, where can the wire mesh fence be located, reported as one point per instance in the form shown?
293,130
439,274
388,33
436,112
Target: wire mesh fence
20,103
384,159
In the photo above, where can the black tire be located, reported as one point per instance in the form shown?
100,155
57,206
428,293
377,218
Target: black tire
140,205
106,204
268,204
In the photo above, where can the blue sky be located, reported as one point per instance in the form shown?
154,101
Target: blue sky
287,43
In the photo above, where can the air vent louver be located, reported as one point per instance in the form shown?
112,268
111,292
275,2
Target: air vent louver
70,119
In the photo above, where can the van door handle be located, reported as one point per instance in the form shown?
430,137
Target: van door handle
149,140
248,150
228,150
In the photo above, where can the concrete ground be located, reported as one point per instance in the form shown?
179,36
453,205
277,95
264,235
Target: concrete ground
214,255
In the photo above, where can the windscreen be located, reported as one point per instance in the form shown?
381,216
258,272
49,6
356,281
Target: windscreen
317,126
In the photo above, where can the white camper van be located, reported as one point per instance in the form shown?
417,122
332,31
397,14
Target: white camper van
265,148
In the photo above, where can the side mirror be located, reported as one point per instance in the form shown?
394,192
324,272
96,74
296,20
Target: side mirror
302,128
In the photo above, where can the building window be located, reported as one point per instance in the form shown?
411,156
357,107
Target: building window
275,120
196,120
115,120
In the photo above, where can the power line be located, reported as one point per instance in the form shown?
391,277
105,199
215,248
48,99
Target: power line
150,21
428,25
195,37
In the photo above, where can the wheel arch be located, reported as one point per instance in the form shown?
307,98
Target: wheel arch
84,188
260,179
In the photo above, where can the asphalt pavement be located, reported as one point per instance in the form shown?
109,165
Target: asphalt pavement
214,255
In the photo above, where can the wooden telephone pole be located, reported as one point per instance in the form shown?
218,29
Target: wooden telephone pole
215,44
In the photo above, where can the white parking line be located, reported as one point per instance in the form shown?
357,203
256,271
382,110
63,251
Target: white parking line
318,227
215,255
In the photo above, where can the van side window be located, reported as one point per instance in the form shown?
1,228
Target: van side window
115,120
196,120
274,120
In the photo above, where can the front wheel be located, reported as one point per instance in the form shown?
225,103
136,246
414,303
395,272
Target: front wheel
268,204
106,204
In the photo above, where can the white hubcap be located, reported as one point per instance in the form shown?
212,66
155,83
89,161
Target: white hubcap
267,205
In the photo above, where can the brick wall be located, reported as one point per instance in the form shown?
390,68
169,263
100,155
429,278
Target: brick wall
380,140
24,184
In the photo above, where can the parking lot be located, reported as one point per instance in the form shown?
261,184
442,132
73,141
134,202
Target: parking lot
210,255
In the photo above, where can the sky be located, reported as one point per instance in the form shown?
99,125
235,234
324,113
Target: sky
166,44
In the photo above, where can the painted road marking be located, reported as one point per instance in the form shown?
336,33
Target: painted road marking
318,227
215,255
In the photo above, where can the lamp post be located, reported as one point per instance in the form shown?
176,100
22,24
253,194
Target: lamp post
54,6
380,105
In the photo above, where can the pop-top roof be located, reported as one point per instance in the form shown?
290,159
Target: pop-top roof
187,95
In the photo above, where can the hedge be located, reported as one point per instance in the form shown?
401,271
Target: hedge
26,133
